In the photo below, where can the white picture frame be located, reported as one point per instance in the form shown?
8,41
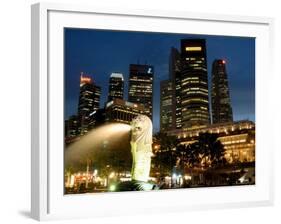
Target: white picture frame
48,201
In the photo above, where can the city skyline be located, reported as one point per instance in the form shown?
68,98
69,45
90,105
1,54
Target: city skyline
98,55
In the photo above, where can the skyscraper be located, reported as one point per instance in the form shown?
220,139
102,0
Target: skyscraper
175,77
141,86
89,102
166,105
221,107
116,86
194,83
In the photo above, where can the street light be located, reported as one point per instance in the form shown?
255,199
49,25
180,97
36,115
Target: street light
112,187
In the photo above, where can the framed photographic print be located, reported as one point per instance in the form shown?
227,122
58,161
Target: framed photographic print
148,111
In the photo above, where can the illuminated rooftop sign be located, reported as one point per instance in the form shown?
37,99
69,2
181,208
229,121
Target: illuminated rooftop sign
85,79
193,48
149,71
116,75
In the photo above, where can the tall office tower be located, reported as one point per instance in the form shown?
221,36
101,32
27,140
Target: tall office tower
194,83
141,86
221,107
116,86
175,77
89,102
166,103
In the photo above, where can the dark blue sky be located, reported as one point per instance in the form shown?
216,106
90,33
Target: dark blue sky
99,53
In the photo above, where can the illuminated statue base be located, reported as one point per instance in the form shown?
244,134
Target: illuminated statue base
136,185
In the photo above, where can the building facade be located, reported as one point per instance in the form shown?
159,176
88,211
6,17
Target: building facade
175,77
97,118
141,86
194,83
166,105
238,139
122,111
71,127
116,86
89,102
221,106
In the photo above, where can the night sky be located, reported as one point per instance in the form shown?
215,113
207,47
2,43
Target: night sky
98,53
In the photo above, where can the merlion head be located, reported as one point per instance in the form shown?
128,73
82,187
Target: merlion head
141,130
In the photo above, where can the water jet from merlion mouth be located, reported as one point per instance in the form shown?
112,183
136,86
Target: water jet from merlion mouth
106,138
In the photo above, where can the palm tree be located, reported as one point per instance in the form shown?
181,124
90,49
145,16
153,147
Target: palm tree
165,155
206,152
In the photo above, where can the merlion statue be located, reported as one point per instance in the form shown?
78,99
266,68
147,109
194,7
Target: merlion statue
141,149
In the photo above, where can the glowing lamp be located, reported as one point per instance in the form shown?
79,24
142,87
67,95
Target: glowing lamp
112,174
112,188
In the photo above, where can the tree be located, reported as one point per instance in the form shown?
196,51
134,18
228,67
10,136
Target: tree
164,149
206,152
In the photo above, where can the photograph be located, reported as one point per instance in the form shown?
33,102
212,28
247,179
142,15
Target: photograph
152,111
